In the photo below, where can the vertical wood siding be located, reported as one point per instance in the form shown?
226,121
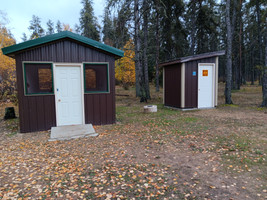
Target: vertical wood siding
191,82
173,86
38,112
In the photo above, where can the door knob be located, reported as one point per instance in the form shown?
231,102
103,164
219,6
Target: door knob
59,100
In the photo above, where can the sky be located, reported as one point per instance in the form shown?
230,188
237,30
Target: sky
20,12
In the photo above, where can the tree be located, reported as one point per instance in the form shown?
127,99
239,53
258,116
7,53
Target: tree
137,42
202,23
125,67
77,29
7,65
157,46
24,37
66,27
36,28
264,79
145,60
116,29
228,86
58,26
108,29
88,22
50,27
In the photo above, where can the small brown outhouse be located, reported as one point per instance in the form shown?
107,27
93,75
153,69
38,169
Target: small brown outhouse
64,79
191,82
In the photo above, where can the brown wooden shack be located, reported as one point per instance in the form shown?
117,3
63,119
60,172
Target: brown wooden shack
64,79
191,82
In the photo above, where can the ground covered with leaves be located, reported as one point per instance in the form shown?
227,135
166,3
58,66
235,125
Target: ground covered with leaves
203,154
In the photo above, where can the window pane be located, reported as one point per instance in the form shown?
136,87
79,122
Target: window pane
45,79
90,75
38,78
96,77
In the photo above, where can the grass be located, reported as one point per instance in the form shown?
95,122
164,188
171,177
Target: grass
239,146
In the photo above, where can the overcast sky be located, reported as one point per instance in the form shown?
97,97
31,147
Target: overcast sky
20,12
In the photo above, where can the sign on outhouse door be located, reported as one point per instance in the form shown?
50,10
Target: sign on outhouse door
205,86
68,95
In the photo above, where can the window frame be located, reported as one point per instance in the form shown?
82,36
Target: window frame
108,78
24,63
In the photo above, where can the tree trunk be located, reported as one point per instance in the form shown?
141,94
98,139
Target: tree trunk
194,30
157,46
259,32
252,67
228,98
147,91
234,50
264,78
137,47
240,44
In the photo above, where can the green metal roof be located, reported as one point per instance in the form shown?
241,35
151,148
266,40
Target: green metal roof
11,50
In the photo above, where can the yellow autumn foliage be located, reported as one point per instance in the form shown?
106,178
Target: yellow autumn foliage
125,67
7,66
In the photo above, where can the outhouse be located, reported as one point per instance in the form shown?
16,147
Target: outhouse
64,79
191,82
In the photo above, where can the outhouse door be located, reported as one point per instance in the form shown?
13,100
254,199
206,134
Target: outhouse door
206,85
69,101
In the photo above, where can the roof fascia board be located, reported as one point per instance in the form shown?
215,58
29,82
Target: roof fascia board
65,34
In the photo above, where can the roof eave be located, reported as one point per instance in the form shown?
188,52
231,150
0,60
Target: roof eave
12,50
192,58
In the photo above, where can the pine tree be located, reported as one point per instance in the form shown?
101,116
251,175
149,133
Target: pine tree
202,22
36,28
108,29
228,85
116,30
264,79
88,22
146,11
77,29
24,37
58,26
137,42
50,27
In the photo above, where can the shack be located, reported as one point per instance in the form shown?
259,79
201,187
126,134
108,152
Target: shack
191,82
64,79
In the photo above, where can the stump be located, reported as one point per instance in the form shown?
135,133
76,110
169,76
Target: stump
9,113
150,108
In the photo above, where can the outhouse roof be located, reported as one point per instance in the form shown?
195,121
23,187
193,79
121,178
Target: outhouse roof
12,50
191,58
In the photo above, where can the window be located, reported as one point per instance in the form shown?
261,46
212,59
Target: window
38,78
96,78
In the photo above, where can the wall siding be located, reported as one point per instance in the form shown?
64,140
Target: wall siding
38,113
191,82
172,86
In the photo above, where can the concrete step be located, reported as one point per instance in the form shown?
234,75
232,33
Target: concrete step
72,132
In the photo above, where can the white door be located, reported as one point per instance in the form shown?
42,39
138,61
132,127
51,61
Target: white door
69,95
205,86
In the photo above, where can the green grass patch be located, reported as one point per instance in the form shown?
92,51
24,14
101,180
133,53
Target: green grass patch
229,105
190,119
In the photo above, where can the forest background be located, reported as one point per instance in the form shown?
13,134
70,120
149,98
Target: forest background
154,31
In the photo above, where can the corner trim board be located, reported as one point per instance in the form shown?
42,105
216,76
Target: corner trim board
183,85
216,80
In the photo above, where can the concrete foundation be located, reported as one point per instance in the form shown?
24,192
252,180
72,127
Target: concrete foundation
72,132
